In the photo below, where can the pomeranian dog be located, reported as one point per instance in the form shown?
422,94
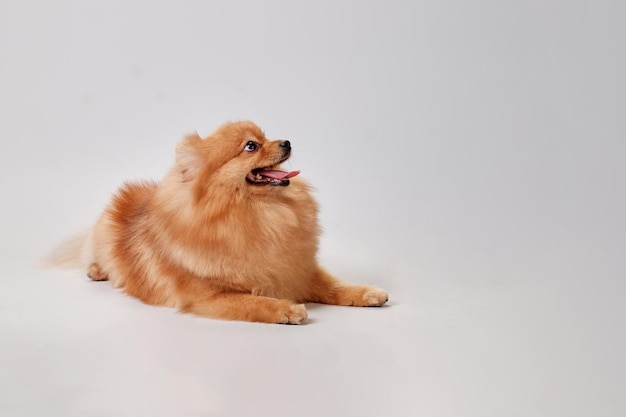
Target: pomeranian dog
226,234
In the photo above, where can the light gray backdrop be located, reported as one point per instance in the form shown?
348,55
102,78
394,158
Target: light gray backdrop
468,157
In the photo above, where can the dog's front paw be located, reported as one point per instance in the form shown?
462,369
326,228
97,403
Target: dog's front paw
295,314
374,297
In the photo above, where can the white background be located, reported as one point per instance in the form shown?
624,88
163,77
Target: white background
468,156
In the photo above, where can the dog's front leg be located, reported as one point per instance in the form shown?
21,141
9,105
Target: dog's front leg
327,289
247,307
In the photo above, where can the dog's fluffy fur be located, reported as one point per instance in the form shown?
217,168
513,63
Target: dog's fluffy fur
212,240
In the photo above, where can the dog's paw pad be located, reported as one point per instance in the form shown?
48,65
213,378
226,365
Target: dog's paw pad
296,314
375,297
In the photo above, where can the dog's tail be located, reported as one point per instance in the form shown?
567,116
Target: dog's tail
69,254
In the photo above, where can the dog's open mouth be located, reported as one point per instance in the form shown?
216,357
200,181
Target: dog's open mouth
268,176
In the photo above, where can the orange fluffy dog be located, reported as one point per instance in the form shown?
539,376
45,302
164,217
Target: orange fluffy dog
227,234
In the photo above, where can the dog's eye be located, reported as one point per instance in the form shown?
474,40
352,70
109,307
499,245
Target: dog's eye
251,146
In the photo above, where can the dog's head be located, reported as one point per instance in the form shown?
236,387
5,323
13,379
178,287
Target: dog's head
237,155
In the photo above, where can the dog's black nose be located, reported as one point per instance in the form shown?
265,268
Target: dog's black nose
285,144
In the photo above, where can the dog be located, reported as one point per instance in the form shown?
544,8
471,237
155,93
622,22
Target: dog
227,234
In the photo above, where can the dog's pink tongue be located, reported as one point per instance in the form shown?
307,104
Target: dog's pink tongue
278,175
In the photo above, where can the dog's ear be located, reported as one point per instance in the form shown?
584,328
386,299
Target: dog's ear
189,156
